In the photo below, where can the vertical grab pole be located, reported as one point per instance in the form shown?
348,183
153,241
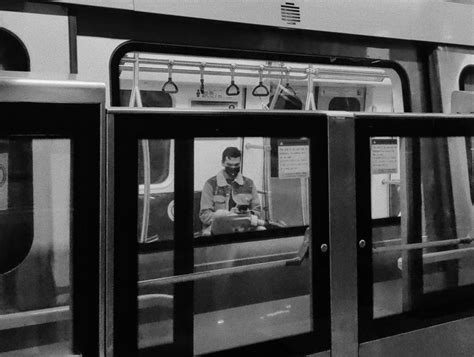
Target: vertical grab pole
146,191
135,96
135,99
275,95
267,156
310,103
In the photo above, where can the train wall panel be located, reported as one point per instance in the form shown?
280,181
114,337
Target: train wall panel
444,21
449,62
422,20
93,57
45,36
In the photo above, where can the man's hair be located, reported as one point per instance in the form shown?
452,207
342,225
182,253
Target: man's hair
231,151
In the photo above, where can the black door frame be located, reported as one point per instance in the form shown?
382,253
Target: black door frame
129,126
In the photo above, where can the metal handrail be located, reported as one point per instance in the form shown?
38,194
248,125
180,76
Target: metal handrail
269,73
209,73
268,68
34,317
240,260
438,257
212,273
182,278
60,313
413,246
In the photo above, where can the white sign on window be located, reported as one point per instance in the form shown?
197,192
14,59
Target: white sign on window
3,181
293,159
384,156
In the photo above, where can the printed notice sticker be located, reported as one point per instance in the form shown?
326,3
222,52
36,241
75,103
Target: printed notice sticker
293,159
384,156
3,182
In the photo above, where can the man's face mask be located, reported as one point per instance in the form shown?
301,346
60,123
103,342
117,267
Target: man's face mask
232,166
232,171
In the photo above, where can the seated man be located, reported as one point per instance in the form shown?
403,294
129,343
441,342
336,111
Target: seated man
229,194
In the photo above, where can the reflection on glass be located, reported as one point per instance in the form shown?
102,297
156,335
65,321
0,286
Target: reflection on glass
242,185
35,226
436,211
155,225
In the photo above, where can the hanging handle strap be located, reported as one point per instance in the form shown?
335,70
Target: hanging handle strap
170,87
261,90
233,89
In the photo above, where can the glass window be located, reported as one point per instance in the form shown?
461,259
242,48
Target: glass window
271,303
13,53
155,226
201,83
223,258
385,183
158,156
430,251
35,226
251,184
466,79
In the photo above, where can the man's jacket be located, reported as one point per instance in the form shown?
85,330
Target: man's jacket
217,194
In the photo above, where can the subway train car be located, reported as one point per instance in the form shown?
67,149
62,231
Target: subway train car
353,122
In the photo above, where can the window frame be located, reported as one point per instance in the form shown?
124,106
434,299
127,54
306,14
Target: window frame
131,125
457,302
163,48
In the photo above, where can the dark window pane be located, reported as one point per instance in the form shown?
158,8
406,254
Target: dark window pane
420,254
35,226
155,225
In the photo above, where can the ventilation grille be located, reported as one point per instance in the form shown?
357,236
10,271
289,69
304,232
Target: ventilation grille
290,13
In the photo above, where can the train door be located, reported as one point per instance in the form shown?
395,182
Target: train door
239,278
415,280
49,216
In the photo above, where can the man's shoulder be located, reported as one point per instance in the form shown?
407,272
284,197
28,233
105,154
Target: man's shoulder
247,180
212,180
